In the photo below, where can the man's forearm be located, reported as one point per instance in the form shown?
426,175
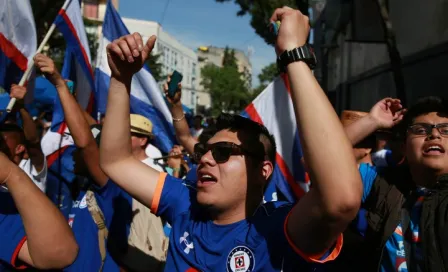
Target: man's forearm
361,129
50,240
116,135
32,140
327,150
74,116
181,127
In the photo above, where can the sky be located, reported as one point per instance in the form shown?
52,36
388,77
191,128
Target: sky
203,22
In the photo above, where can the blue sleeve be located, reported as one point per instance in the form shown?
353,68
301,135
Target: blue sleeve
171,198
12,237
368,176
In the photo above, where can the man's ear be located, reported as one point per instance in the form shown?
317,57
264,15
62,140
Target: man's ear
267,169
19,149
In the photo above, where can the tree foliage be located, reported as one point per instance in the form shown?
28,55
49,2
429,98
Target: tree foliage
226,85
155,66
267,75
261,12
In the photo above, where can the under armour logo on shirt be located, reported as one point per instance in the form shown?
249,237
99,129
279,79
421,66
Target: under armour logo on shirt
188,246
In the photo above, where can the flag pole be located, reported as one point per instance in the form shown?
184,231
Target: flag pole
30,66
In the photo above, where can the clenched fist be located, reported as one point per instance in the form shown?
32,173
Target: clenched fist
293,31
127,55
46,66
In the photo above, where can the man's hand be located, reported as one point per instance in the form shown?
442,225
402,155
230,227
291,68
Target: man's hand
46,66
176,99
387,113
293,31
17,92
127,55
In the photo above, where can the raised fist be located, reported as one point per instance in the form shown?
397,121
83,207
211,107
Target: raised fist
127,55
46,66
176,99
294,28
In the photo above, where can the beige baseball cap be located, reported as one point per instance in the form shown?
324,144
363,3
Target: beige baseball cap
141,125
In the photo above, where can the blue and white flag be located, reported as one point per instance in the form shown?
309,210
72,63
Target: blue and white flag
146,98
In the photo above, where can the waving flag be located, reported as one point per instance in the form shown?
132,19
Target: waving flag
17,44
77,61
146,97
274,109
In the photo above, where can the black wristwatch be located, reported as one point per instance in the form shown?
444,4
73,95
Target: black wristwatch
303,53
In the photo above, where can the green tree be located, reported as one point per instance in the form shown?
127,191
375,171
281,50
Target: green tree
261,12
155,67
267,75
226,85
229,58
45,11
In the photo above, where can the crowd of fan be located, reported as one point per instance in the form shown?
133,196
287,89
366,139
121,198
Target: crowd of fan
378,200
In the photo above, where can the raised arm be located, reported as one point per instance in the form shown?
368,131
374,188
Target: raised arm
180,124
384,115
76,122
319,218
29,129
126,57
50,243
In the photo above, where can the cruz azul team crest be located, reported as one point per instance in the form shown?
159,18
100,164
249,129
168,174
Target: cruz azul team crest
240,259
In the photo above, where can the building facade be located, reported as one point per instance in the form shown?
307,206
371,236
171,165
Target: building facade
214,55
173,56
354,61
95,9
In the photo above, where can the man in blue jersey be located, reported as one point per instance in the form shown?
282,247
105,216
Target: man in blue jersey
32,231
222,225
402,218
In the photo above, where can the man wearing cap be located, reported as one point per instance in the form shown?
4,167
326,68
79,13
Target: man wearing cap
148,244
141,134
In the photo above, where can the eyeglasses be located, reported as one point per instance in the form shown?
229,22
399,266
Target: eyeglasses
425,129
221,151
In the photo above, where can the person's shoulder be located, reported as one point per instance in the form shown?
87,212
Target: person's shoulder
274,212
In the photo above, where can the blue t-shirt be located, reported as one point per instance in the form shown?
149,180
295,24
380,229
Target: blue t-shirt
109,198
394,258
12,233
197,244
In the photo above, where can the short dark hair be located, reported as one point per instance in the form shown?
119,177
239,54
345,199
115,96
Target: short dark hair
10,127
255,133
423,106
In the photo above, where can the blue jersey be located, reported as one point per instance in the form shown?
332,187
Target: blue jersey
394,258
12,233
109,198
257,244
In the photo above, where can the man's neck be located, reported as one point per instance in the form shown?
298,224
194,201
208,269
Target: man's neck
235,214
424,177
140,154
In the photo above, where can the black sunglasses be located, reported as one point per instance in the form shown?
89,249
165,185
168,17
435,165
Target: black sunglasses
221,151
425,129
